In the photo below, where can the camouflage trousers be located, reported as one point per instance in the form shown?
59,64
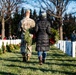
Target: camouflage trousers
25,48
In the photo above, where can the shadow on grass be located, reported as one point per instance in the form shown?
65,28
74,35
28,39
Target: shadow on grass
53,48
61,64
57,55
19,59
34,53
54,71
33,60
55,52
5,73
43,69
62,59
13,59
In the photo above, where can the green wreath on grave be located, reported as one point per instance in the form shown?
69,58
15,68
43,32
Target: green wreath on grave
54,36
28,38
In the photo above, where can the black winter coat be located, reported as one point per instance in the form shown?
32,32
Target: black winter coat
43,30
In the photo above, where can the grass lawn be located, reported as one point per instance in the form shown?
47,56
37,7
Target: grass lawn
57,63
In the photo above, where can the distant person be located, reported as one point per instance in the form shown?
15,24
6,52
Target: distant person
13,37
24,26
66,38
10,37
73,36
0,36
43,30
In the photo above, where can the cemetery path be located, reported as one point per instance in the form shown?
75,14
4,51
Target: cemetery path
57,63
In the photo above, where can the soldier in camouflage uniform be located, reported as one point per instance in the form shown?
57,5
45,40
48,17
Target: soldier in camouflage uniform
25,24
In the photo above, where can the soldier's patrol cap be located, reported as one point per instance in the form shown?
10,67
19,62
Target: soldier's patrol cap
28,11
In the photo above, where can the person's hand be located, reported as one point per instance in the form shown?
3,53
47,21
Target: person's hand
31,35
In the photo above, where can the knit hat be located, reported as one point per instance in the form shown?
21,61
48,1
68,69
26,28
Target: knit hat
44,14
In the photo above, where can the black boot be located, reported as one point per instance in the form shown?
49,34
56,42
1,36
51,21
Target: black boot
23,56
43,60
24,59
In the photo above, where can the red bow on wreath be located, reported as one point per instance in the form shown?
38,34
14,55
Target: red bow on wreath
34,38
52,41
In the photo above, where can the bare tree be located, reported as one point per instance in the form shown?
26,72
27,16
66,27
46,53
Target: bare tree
55,8
7,8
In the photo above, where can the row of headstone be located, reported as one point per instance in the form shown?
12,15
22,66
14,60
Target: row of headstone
17,41
67,47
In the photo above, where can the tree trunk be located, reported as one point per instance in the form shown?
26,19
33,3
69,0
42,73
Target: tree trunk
3,28
61,30
10,26
9,29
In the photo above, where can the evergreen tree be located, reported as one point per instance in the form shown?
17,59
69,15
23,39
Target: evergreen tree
0,23
68,25
34,15
55,23
31,16
50,19
15,22
40,15
74,19
22,13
